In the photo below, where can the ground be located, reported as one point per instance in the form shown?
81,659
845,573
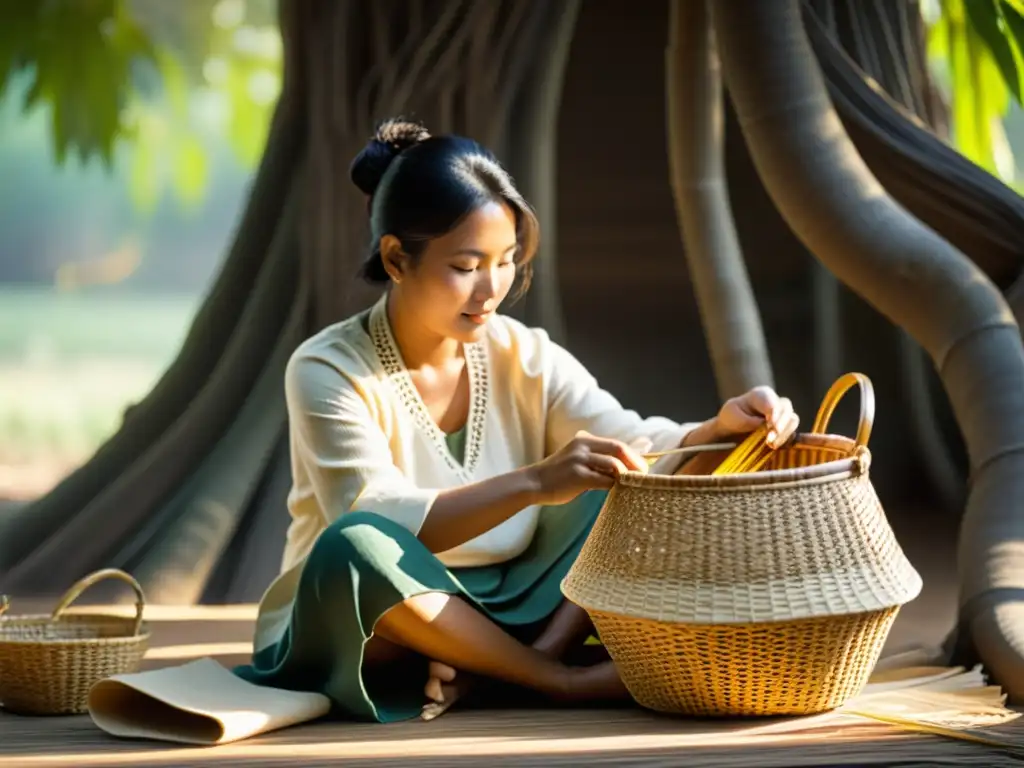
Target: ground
69,365
516,737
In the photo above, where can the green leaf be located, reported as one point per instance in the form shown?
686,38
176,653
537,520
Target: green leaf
83,56
144,178
938,44
979,92
248,127
984,16
175,83
17,32
1013,19
190,170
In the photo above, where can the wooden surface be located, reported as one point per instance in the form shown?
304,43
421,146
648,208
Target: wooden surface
508,738
495,737
515,738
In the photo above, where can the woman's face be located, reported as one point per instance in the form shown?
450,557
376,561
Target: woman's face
461,278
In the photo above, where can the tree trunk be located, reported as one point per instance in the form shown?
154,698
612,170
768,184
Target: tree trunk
886,43
964,203
533,162
201,464
841,212
696,128
33,525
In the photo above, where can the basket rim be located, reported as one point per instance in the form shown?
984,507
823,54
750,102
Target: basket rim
858,463
735,623
77,619
69,641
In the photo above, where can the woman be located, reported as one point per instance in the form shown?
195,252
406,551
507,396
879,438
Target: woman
448,461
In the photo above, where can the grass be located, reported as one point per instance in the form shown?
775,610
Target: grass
69,366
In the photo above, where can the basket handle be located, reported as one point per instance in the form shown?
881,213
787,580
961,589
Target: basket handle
867,406
107,573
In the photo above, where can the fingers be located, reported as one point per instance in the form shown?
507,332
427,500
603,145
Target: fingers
763,404
786,430
627,455
642,445
761,401
782,422
596,479
606,465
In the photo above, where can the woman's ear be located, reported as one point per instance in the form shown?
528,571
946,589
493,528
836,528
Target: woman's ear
392,256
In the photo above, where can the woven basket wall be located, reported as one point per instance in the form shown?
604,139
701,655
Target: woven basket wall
48,663
765,593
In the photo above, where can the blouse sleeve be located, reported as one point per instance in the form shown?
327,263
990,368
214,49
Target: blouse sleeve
575,402
344,451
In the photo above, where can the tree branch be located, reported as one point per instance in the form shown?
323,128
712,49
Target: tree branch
341,59
387,69
539,33
427,46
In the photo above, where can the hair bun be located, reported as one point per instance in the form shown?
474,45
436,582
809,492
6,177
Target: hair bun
392,137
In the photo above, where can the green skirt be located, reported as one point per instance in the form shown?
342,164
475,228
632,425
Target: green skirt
363,565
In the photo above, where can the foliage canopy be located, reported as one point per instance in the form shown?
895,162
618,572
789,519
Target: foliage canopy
157,79
163,78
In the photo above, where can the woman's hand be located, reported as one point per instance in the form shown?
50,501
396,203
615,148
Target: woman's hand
583,464
742,415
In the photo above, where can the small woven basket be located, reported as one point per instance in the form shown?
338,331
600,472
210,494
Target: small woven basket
755,593
49,663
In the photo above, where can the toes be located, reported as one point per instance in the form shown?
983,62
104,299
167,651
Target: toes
437,675
430,711
449,694
441,671
433,690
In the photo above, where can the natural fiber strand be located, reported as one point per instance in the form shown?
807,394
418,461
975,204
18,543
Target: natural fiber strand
951,702
751,455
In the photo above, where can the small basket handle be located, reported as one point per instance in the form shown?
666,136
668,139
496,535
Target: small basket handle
867,406
107,573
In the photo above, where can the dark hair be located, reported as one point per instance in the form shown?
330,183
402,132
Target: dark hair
420,187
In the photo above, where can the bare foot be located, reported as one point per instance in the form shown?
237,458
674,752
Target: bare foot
444,687
568,627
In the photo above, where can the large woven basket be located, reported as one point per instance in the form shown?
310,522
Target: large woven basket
762,593
48,663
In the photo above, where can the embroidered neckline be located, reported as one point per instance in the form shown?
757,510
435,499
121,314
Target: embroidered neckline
398,376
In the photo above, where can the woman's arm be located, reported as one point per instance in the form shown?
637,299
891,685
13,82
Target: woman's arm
340,445
584,463
349,463
461,514
575,402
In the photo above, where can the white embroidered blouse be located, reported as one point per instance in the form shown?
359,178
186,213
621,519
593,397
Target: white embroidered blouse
362,438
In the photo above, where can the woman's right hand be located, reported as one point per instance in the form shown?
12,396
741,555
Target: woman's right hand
585,463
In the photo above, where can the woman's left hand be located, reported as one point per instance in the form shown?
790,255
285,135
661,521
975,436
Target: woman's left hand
742,415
